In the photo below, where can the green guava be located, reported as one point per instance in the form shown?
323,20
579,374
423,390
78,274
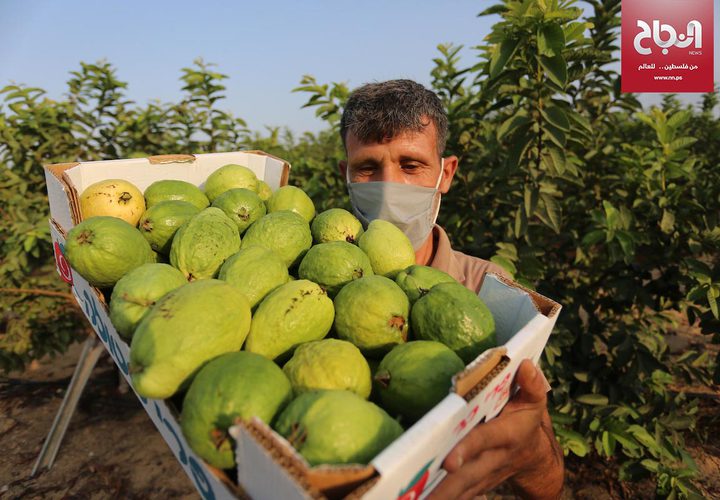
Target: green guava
390,251
136,292
296,312
294,199
161,221
328,364
372,313
229,177
169,189
186,328
457,317
242,206
104,248
232,387
336,224
202,244
285,233
255,271
333,265
417,280
416,376
336,427
263,190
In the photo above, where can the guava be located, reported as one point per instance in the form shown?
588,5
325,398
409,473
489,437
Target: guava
136,292
186,328
457,317
232,387
336,427
285,233
336,224
390,251
104,248
114,198
162,220
294,199
416,376
263,190
332,265
328,364
255,271
296,312
242,205
372,313
175,190
417,280
229,177
202,244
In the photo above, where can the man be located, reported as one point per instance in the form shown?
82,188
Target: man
394,134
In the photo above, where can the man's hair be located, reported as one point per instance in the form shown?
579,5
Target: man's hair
376,111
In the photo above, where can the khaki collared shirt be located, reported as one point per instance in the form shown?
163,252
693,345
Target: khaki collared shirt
468,270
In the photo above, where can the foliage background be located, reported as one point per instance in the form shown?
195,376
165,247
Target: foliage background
564,181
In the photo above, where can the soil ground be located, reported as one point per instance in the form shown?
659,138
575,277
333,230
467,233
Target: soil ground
112,449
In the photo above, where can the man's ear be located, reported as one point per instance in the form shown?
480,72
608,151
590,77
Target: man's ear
450,165
342,166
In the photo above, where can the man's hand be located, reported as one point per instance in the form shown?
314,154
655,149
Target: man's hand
518,445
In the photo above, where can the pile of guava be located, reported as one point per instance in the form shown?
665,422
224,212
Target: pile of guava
244,302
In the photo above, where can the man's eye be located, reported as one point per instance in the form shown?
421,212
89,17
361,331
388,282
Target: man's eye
410,167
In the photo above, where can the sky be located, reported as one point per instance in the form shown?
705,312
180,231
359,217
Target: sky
264,47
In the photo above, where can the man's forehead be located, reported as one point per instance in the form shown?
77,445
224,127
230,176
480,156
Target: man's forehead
417,139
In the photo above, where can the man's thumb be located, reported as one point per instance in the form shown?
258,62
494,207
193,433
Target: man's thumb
533,386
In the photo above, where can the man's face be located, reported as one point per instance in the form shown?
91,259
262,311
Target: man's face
409,158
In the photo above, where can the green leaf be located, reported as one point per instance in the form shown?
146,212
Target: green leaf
550,39
712,300
679,118
592,399
520,223
501,54
531,200
511,124
555,134
682,142
644,438
667,224
552,211
555,68
608,443
504,263
556,116
593,237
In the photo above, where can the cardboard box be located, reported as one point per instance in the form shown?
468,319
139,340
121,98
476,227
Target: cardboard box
65,182
268,467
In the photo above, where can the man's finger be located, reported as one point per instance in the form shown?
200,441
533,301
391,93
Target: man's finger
477,476
533,389
485,436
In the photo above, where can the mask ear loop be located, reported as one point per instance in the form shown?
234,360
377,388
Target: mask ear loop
442,167
437,192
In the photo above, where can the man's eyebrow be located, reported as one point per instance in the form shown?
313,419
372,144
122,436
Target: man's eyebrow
414,158
364,161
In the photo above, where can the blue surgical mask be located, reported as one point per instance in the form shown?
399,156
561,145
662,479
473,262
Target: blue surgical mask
414,209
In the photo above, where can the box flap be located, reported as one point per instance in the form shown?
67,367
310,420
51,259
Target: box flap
511,307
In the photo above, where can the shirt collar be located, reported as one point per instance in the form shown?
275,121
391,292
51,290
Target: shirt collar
444,257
